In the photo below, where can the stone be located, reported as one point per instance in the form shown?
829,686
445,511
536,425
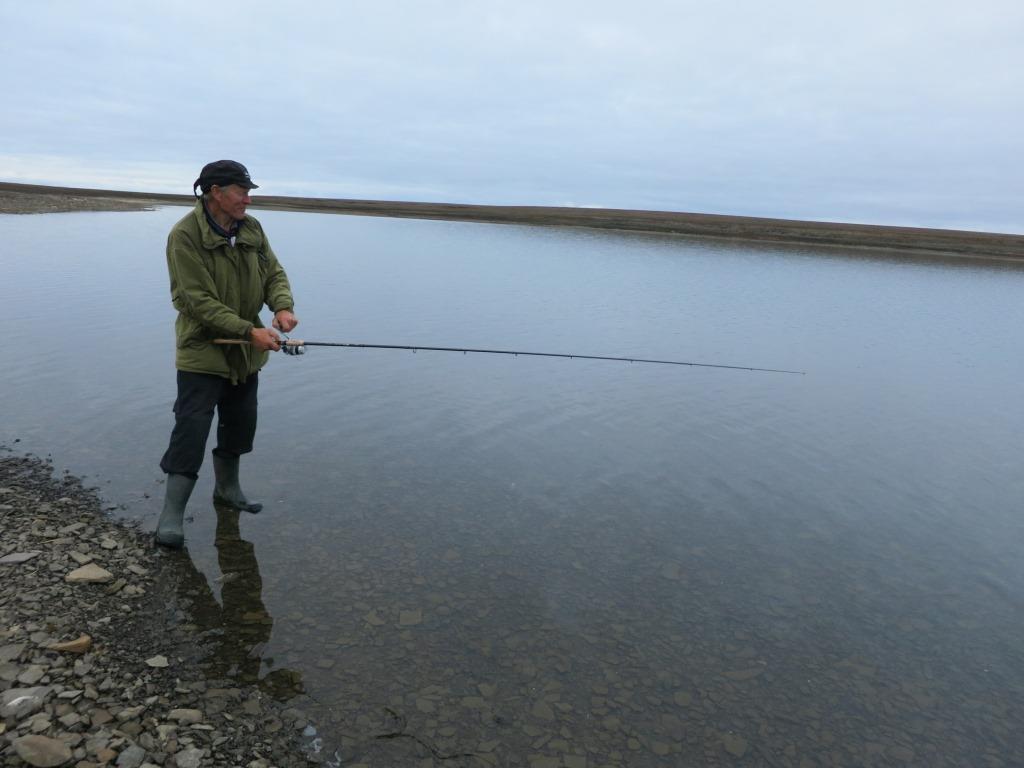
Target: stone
158,662
410,618
11,652
16,558
89,574
100,717
543,710
42,751
191,757
735,744
80,558
131,757
186,716
79,645
22,702
32,675
130,713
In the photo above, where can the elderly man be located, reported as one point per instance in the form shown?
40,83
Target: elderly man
222,271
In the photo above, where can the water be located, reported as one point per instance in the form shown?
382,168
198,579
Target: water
552,562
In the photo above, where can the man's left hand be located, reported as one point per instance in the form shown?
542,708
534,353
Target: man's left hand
284,320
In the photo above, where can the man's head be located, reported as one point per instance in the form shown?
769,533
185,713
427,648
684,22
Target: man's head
225,185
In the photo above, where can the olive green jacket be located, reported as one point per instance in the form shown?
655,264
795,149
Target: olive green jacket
219,290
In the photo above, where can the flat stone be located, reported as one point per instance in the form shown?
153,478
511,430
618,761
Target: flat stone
186,716
100,717
131,757
11,652
189,758
16,558
22,702
89,574
41,751
159,662
80,558
32,675
108,544
79,645
735,744
410,618
543,710
130,713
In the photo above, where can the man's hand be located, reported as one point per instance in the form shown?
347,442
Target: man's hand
284,320
264,339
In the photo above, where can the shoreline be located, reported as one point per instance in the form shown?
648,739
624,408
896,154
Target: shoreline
912,241
105,645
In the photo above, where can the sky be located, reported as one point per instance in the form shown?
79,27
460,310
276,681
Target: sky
887,112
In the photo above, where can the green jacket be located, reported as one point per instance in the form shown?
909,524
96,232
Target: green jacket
219,290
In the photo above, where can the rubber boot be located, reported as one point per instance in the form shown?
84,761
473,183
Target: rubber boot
170,530
227,490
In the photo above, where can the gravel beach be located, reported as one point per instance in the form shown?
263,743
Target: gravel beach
101,653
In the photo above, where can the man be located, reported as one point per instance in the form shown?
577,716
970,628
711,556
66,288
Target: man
222,272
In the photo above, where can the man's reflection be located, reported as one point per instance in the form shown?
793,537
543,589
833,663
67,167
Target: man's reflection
239,627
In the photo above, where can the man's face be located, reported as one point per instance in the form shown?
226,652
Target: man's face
232,199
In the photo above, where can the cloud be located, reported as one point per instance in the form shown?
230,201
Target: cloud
792,107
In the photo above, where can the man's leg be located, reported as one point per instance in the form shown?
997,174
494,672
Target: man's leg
236,429
198,393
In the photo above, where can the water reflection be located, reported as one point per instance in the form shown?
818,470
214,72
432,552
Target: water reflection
237,629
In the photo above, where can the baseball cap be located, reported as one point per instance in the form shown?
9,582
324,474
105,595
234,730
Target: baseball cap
222,173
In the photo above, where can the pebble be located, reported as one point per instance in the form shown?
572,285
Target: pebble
42,751
90,574
84,667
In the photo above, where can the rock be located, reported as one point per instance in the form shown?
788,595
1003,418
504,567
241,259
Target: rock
100,717
186,716
15,558
158,662
131,757
42,751
22,702
189,758
11,652
543,710
32,675
410,618
80,558
130,713
735,744
80,645
89,574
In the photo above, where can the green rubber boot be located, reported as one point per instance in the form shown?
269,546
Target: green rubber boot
170,530
227,491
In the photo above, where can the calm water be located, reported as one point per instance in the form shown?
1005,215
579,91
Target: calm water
569,563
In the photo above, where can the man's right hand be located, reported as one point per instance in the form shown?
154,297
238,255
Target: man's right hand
265,339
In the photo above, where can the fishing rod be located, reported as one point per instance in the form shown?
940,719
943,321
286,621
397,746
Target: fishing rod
297,347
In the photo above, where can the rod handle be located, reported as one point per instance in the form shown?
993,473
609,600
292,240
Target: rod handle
284,342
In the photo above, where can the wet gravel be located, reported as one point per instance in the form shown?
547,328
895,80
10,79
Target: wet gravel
101,660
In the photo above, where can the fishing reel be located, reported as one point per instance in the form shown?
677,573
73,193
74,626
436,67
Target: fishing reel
290,347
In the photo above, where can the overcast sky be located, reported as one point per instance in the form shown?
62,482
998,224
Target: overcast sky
895,111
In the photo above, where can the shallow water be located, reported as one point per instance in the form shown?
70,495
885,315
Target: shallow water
554,562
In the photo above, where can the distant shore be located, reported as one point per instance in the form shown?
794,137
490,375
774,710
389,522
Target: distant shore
33,198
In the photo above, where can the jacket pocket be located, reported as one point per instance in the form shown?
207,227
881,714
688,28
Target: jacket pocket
190,334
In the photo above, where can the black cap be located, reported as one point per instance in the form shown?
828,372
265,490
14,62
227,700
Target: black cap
223,173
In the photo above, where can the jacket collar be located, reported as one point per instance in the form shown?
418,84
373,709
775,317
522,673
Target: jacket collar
246,235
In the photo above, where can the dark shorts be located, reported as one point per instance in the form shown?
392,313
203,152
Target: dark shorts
198,395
